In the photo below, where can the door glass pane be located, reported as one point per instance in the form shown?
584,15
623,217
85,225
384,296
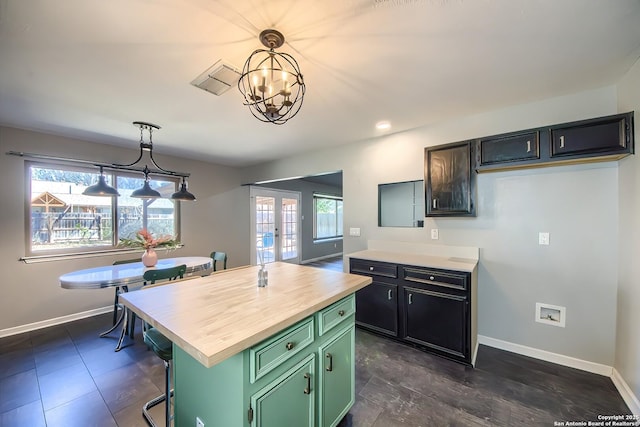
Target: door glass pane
289,244
265,229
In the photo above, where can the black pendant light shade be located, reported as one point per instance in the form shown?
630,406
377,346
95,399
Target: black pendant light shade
101,188
183,194
146,192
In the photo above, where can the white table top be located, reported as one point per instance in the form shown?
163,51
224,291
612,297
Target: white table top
128,274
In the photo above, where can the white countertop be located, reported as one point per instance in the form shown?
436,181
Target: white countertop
410,253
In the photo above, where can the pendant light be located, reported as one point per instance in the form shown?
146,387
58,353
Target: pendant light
101,188
146,192
183,194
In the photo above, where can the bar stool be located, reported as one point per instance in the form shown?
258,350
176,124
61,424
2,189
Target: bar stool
160,345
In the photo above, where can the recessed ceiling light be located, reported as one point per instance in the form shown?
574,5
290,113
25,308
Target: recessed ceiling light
383,125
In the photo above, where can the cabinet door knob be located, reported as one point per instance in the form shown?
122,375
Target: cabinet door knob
341,313
432,278
289,345
370,268
389,294
307,389
528,146
562,141
330,367
410,298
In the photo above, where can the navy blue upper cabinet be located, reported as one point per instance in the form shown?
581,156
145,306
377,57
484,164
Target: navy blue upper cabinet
600,139
605,136
450,180
509,148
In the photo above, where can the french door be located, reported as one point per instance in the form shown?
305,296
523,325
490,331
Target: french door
275,225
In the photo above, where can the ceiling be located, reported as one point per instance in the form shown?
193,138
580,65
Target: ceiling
88,68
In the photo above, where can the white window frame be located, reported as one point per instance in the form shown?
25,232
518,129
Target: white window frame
30,254
317,196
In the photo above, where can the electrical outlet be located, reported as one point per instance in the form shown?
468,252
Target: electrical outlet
199,422
543,238
435,235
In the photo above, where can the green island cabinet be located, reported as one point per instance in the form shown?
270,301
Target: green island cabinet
301,376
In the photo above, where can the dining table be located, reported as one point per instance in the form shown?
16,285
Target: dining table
129,275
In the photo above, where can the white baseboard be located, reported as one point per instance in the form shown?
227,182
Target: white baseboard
52,322
548,356
307,261
625,391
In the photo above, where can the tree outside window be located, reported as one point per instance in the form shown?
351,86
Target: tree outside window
327,217
63,220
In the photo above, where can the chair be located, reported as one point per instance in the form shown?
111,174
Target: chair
160,344
219,256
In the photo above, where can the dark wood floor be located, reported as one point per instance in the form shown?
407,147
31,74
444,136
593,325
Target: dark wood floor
66,376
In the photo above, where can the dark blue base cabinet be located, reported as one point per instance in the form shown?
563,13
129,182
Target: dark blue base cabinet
430,308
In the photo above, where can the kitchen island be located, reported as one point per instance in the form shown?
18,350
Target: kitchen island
249,356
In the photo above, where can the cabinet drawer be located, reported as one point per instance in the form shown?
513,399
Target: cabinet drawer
509,148
335,314
270,354
447,279
373,268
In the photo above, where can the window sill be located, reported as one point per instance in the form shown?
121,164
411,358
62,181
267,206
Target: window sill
34,259
329,240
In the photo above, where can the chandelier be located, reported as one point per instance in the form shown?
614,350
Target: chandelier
271,82
101,188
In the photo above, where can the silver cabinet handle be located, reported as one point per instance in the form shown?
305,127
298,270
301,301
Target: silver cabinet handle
370,268
432,278
389,294
562,141
410,298
528,146
434,203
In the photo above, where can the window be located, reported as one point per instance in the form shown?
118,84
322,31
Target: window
327,217
62,220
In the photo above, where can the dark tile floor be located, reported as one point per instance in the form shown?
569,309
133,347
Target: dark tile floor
66,376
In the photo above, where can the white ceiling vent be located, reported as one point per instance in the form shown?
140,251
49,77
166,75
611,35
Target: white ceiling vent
218,78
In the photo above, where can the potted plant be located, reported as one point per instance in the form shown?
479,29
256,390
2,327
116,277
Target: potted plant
144,239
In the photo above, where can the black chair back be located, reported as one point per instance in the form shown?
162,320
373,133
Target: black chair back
171,273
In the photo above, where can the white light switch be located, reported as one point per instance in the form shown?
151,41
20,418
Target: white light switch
354,231
434,234
543,238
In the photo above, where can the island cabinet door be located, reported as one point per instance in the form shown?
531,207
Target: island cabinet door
436,320
337,378
377,307
289,400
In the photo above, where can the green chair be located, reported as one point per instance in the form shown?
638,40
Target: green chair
160,344
219,256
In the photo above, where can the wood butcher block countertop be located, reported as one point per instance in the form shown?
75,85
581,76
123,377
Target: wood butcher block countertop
217,316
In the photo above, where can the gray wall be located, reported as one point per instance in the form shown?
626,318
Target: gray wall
309,249
628,336
577,205
31,293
